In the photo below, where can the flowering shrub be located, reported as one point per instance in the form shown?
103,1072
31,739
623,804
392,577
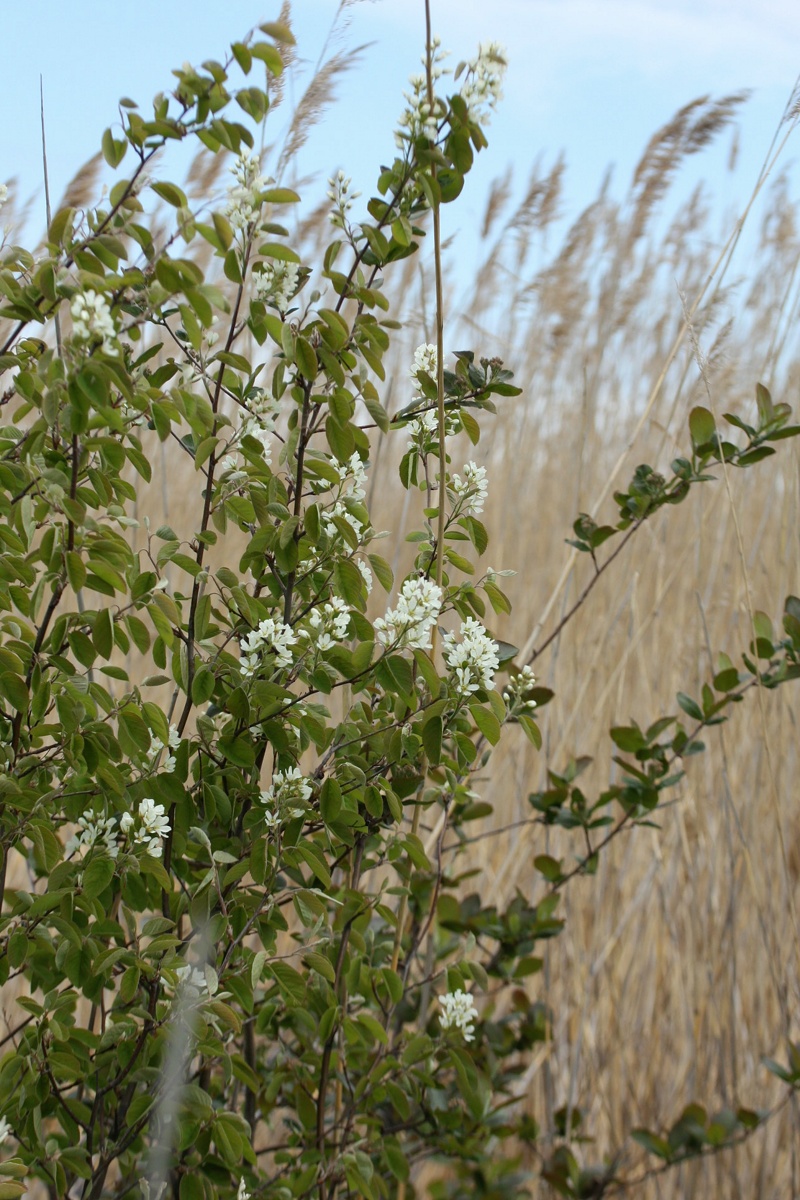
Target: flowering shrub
232,936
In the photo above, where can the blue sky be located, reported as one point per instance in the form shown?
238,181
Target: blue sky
593,78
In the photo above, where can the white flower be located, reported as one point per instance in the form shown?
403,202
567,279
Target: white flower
483,86
5,1129
366,574
411,622
91,318
101,832
516,688
353,475
474,659
289,789
3,198
192,982
425,359
270,636
242,1193
259,418
244,203
328,625
419,120
276,283
458,1012
339,192
173,742
473,490
153,825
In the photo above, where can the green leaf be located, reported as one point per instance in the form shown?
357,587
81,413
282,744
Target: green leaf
702,426
290,982
14,689
432,740
487,722
97,875
171,194
330,800
690,706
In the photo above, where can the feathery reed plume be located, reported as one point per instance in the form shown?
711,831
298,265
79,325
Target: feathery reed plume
318,96
82,188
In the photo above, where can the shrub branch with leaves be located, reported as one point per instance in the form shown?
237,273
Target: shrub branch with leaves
238,969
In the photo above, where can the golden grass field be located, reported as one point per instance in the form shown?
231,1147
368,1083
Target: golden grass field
679,967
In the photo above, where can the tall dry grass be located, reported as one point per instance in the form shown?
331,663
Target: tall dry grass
678,967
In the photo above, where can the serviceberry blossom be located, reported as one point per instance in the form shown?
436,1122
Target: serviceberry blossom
5,1130
101,832
3,198
516,688
474,659
192,982
472,490
244,202
258,420
288,789
425,359
410,624
458,1012
353,476
366,574
276,283
419,120
271,636
151,827
483,85
339,192
328,624
242,1193
173,743
92,320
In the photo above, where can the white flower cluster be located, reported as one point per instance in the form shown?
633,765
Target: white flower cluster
483,86
419,120
271,635
426,426
289,789
91,833
192,982
91,318
3,194
151,827
276,283
244,201
474,659
516,688
353,475
366,574
328,625
259,420
473,489
459,1012
339,192
242,1193
5,1130
425,359
173,743
411,623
